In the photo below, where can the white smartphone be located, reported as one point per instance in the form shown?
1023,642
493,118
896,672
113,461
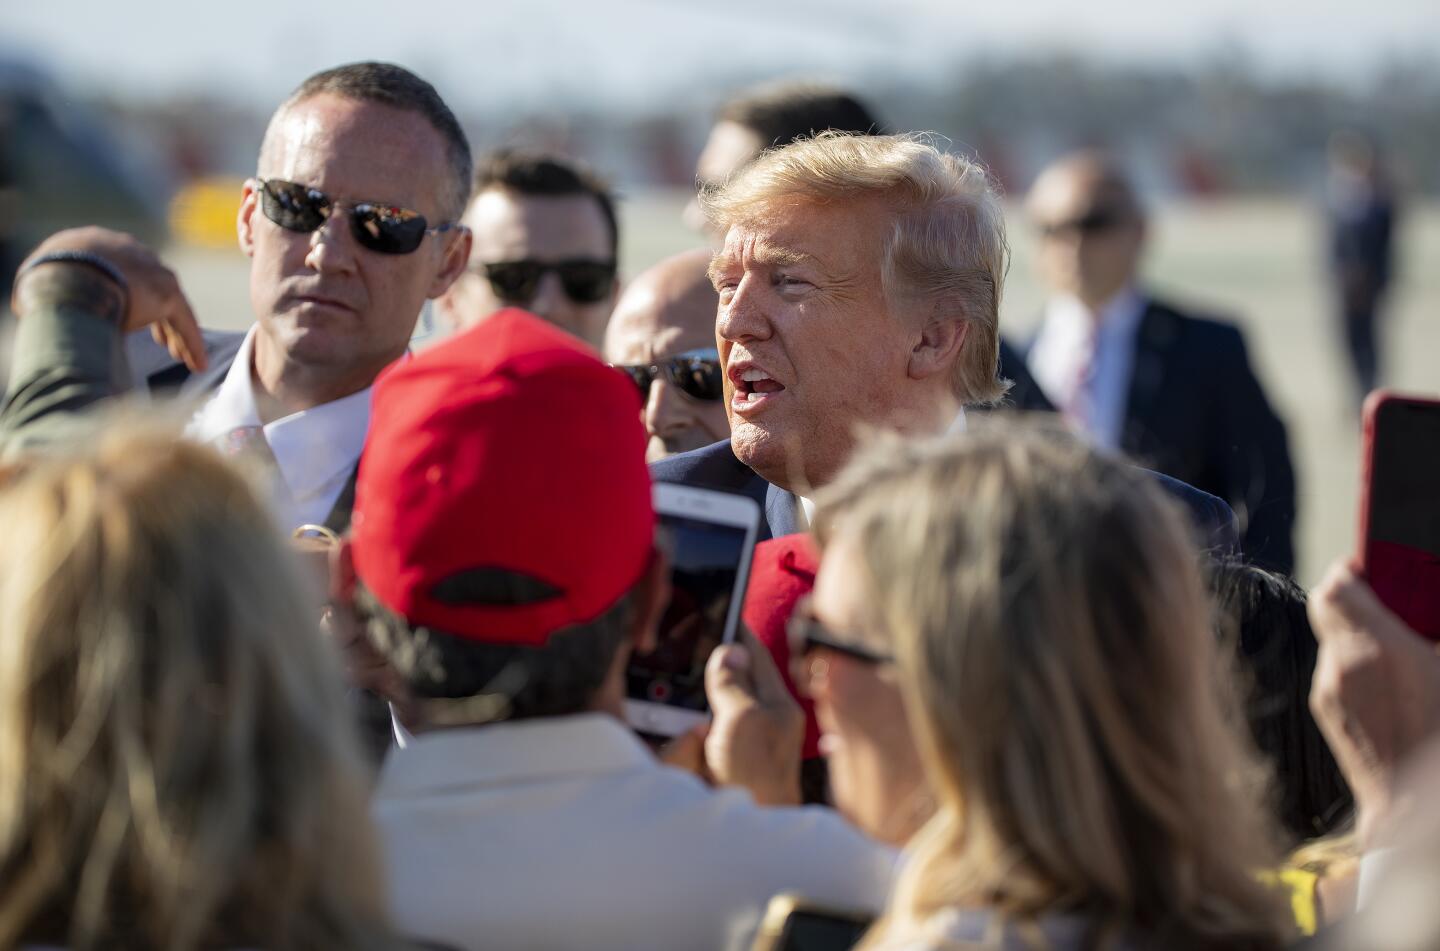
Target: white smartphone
710,537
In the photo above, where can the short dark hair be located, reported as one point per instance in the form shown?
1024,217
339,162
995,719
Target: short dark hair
397,87
1263,614
509,682
782,113
542,173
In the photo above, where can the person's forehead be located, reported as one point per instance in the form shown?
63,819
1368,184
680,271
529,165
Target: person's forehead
1072,191
653,323
840,584
359,151
508,225
839,234
729,148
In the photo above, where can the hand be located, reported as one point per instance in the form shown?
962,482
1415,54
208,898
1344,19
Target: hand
365,667
1375,695
755,737
155,298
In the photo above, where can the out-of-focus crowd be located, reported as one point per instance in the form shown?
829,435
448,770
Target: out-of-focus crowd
308,641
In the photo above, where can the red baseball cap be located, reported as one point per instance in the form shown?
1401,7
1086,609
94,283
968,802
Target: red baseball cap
506,452
782,571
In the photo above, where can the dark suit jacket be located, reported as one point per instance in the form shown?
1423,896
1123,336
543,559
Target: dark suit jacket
715,467
1196,412
1024,394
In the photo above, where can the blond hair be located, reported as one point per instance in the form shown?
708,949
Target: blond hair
947,250
177,764
1054,648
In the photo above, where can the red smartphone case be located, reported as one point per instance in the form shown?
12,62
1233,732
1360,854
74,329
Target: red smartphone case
1405,578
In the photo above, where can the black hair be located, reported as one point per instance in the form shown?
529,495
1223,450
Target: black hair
786,112
1265,614
397,87
542,173
506,682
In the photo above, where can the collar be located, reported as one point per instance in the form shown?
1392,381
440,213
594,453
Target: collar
1070,320
312,448
545,748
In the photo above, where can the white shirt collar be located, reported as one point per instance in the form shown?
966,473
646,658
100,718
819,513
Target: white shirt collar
315,449
1069,319
1082,360
501,753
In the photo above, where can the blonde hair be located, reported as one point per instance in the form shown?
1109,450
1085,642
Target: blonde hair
1053,642
177,764
947,248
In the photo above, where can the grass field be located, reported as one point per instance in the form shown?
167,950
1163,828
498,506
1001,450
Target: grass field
1259,262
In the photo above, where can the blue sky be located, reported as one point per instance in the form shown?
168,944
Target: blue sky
640,53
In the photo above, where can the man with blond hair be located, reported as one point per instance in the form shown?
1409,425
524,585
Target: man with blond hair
859,284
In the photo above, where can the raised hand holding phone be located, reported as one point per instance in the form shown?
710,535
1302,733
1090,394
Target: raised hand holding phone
711,536
1399,549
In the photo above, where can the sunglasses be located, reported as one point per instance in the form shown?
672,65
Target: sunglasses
585,281
1094,222
696,373
808,634
382,228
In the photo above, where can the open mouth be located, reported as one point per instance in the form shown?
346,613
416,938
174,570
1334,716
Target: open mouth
753,384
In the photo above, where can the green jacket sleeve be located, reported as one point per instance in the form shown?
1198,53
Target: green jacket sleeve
65,361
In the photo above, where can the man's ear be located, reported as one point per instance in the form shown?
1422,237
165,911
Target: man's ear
938,347
457,257
245,217
651,595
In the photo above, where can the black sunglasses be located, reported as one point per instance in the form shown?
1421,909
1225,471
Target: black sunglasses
382,228
585,281
696,373
1093,222
807,633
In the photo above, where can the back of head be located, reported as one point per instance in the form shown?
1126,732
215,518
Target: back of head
545,175
389,85
177,765
1052,637
947,252
785,112
1262,617
502,517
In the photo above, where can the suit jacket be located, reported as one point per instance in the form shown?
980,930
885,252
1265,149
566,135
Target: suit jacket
1196,412
1024,394
715,467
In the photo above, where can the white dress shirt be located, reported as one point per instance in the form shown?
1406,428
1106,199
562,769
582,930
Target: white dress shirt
567,832
315,449
1083,361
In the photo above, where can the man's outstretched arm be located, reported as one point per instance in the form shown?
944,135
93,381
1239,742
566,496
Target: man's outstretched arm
75,296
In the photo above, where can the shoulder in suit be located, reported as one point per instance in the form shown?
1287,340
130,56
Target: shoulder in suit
1025,393
715,467
1197,411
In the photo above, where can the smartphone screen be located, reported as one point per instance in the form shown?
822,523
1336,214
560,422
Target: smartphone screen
1402,540
813,930
706,559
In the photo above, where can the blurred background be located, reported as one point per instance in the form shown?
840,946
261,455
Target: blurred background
147,116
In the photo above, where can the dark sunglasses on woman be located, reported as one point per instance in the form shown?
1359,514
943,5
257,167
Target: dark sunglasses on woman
696,373
382,228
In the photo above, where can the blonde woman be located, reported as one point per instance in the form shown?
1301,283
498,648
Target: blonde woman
1038,610
177,769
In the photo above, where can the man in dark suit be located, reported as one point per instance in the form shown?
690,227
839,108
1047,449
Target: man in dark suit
350,226
1174,391
821,340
